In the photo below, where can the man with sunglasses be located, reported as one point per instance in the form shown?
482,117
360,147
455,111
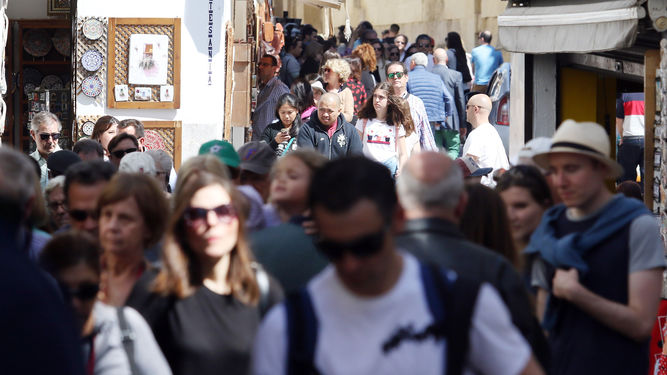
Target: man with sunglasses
84,183
397,76
45,131
121,145
375,309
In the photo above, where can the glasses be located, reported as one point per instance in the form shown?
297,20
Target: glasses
361,247
81,215
55,204
327,70
46,136
120,153
478,106
393,54
264,64
84,292
198,216
398,75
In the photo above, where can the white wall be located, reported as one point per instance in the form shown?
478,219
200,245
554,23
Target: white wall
202,106
26,9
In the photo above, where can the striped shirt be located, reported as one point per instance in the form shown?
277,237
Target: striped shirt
265,111
630,108
420,119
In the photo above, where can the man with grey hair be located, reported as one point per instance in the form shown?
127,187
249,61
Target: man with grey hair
430,190
453,81
438,103
134,127
45,131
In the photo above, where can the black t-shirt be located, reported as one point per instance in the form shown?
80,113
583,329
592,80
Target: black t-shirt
205,333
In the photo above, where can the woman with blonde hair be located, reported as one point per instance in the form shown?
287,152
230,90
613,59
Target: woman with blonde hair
336,73
366,53
206,303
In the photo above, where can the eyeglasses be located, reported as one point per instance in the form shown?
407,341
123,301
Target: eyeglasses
84,292
120,153
398,75
264,64
81,215
393,54
478,106
46,136
327,70
361,247
55,204
423,45
198,216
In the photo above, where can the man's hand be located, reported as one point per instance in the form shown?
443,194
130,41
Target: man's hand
566,283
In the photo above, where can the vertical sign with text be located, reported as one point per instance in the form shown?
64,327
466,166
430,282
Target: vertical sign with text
210,42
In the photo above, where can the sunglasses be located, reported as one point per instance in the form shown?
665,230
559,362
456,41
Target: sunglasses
198,216
81,215
327,70
120,153
398,75
361,247
264,64
393,54
46,136
84,292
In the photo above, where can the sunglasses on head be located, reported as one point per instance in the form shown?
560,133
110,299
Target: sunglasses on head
196,216
81,215
46,136
84,292
398,75
361,247
120,153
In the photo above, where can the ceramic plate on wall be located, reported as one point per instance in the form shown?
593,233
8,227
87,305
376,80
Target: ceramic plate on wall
62,41
92,86
92,60
37,42
93,29
32,75
87,128
51,82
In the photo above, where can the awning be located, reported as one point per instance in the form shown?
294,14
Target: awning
324,3
570,26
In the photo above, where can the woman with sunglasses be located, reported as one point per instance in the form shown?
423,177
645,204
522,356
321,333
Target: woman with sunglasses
527,196
384,122
336,73
204,304
132,213
73,259
106,127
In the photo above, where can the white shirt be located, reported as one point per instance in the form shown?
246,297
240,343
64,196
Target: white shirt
352,331
379,139
485,143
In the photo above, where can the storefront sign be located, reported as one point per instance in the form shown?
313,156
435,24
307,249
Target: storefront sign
210,42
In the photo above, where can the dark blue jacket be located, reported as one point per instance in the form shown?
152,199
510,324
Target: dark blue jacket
431,90
345,141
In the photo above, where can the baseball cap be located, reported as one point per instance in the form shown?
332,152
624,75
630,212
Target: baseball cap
58,161
138,162
223,150
257,157
470,167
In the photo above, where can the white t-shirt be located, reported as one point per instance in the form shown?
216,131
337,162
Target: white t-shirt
485,143
352,331
379,139
410,142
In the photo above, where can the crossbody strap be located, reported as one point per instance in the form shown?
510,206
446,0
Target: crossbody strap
127,337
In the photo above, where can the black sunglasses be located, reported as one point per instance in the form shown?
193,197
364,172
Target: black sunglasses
197,215
46,136
81,215
120,153
84,292
361,247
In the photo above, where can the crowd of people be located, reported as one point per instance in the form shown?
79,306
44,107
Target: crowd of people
345,238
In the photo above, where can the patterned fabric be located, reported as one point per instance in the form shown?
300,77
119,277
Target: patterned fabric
265,111
358,93
422,126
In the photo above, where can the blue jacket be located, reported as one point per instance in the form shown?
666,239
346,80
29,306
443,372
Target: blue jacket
345,140
431,90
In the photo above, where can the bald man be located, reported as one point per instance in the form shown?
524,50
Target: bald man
328,132
484,144
453,81
430,190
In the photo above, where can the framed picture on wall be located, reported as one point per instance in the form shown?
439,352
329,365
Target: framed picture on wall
56,7
149,59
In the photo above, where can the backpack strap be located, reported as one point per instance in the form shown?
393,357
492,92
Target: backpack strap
451,301
127,337
302,327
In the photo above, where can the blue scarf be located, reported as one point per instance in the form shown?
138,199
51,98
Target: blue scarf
569,251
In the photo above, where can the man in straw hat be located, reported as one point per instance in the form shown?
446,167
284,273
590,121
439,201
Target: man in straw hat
600,260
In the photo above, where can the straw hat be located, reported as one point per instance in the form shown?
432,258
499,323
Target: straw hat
584,138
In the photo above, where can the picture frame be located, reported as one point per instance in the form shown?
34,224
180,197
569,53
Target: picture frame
142,93
121,93
58,7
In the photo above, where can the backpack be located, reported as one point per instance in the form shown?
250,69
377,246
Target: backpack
443,288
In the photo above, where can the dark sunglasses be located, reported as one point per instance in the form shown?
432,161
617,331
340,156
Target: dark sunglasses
46,136
361,247
120,153
196,216
84,292
327,70
398,75
81,215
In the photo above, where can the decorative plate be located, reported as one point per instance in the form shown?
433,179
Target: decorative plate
153,141
51,82
92,86
32,75
28,88
37,42
87,128
62,41
92,60
93,29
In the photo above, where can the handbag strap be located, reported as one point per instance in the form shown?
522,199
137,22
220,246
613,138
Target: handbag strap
127,337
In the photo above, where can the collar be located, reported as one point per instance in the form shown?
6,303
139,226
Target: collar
269,82
433,225
419,67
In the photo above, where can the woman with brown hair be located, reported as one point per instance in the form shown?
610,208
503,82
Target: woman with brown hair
354,83
106,127
336,73
382,128
366,53
204,306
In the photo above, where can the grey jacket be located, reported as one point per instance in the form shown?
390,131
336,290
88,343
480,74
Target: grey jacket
454,84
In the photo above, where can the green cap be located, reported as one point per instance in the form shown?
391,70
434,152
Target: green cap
223,150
